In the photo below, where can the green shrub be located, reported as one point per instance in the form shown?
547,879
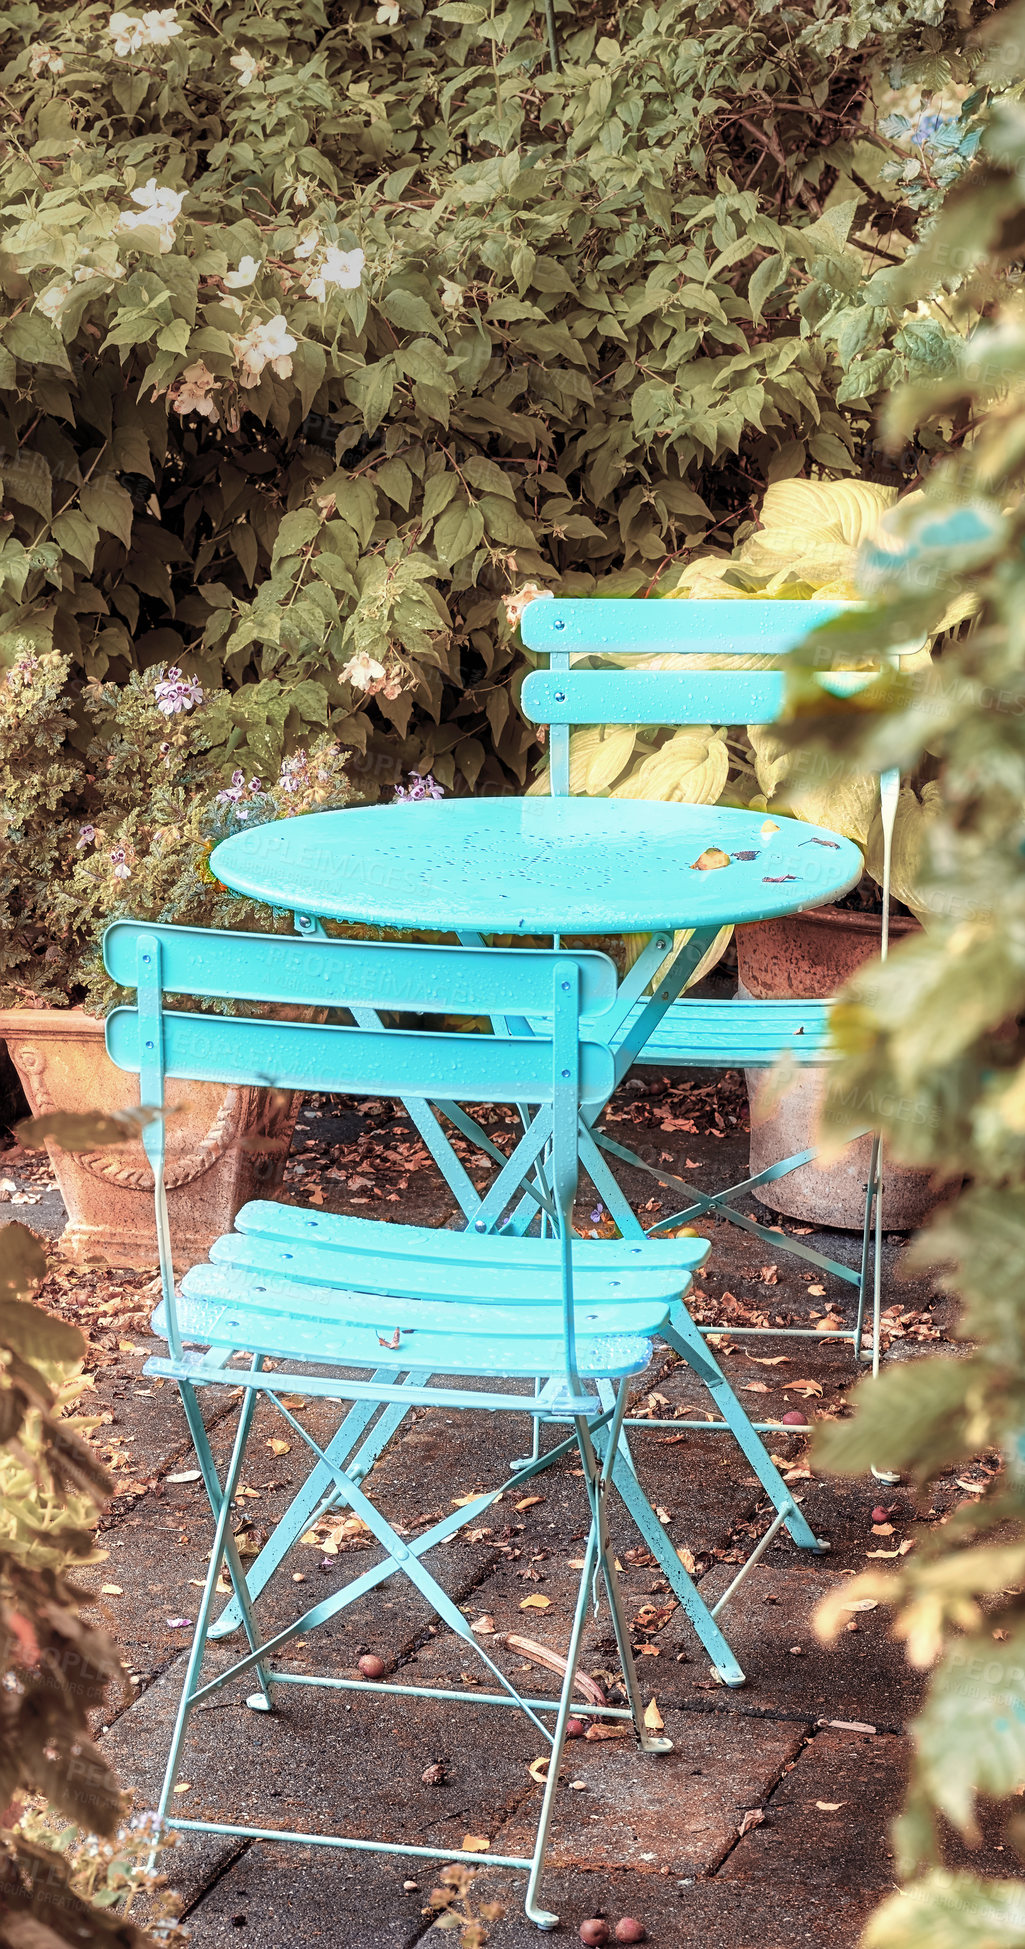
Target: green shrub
324,327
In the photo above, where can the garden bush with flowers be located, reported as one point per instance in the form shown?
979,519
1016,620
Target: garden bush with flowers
329,333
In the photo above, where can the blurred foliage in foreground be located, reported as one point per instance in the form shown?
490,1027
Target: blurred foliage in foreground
71,1860
935,1046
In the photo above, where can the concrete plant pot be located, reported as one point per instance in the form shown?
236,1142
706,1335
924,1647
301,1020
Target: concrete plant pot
60,1057
811,956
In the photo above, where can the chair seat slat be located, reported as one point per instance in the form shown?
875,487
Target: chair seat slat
311,1264
478,1254
248,1290
349,1344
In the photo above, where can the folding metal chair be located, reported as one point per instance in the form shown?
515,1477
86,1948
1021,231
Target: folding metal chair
741,1033
395,1304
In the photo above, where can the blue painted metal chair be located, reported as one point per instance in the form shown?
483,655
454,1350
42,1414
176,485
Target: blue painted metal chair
741,1033
394,1305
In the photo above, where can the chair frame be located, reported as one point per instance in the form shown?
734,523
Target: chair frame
160,1043
566,630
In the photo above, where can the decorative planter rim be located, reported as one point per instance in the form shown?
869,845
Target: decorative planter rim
848,918
44,1021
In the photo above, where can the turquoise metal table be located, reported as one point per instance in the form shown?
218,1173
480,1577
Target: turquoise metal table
538,866
552,867
562,866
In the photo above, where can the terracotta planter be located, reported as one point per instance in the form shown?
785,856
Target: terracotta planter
60,1056
812,955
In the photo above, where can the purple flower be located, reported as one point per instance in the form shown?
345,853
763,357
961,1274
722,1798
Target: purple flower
294,773
175,693
119,862
235,791
419,788
598,1213
86,835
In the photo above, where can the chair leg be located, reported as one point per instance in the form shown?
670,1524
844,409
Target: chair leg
597,1558
599,1477
871,1188
543,1917
685,1337
218,1555
629,1489
221,1499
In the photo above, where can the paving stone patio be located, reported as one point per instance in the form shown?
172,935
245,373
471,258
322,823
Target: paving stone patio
766,1828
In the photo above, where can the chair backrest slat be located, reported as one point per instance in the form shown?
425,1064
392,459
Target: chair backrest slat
234,1049
424,980
653,696
586,626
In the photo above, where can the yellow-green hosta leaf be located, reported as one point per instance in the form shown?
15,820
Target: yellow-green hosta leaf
814,787
949,1911
691,769
635,944
606,761
597,755
714,577
813,529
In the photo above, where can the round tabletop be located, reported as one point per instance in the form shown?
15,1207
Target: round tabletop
539,865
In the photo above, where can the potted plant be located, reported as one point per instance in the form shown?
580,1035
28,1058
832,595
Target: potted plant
113,796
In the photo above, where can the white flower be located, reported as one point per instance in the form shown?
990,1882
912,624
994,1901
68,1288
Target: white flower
50,301
247,272
160,211
264,345
43,59
451,294
248,67
362,670
162,25
130,33
127,33
192,393
389,13
338,269
308,244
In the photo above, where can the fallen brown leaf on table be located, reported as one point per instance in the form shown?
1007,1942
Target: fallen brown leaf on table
475,1843
752,1818
604,1729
